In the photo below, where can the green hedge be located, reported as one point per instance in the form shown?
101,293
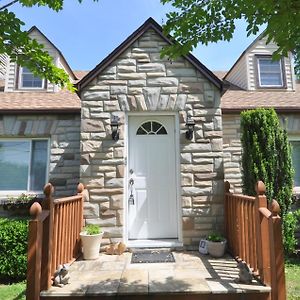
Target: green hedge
266,156
13,249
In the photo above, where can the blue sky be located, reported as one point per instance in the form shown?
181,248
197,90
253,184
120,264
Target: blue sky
86,33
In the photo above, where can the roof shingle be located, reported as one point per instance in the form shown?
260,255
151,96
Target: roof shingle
238,100
62,101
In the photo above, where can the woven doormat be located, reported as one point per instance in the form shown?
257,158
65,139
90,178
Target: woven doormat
152,256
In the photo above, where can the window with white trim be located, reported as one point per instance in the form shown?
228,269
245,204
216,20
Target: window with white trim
23,164
151,127
29,81
269,72
296,161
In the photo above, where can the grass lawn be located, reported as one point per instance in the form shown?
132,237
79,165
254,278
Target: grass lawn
15,291
292,273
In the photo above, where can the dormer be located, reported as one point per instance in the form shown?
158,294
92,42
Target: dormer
21,79
255,69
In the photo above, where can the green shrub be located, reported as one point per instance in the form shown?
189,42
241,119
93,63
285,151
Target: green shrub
91,229
291,224
266,156
13,249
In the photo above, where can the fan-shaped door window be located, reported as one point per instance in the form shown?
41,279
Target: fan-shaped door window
151,127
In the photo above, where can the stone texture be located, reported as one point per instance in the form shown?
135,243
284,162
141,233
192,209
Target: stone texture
140,81
63,133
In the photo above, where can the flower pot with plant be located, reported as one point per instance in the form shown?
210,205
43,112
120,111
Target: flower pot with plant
91,237
216,245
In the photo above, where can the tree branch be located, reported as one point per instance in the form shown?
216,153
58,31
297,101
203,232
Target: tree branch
8,4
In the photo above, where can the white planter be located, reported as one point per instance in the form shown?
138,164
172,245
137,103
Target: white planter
216,249
91,245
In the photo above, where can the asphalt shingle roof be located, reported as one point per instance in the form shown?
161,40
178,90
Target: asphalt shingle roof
62,101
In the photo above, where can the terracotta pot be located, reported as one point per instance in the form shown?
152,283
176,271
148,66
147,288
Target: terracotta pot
216,249
91,245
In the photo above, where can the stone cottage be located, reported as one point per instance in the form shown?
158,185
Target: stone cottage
149,137
154,184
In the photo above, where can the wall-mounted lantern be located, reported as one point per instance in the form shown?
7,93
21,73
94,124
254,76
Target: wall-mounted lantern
115,127
190,124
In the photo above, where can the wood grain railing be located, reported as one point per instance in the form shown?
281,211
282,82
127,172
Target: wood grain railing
53,238
254,235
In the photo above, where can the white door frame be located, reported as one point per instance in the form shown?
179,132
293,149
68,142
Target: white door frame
177,171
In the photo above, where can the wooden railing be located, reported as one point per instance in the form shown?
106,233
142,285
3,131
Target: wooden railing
53,238
254,235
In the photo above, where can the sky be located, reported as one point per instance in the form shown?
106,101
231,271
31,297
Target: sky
86,33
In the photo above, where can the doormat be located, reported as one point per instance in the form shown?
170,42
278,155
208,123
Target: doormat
152,256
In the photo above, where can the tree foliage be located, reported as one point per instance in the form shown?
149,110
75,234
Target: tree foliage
201,21
266,156
25,51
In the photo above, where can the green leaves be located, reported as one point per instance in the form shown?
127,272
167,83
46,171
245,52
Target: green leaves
200,21
266,156
13,248
27,52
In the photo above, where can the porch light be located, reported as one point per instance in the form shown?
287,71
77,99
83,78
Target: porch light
115,127
190,124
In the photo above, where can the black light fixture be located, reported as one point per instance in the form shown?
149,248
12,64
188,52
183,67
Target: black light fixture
190,124
115,127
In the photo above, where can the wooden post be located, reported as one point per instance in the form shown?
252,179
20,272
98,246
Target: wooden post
47,238
84,193
84,197
34,253
226,213
260,201
278,267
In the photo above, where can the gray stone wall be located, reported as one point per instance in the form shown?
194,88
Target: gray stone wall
232,149
140,81
64,134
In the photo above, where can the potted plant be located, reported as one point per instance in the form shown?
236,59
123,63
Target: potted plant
91,237
216,245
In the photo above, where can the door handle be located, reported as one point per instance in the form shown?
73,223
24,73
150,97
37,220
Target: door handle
131,198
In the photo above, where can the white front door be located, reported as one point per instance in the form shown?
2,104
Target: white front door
152,204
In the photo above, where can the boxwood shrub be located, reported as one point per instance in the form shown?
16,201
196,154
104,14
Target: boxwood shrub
13,249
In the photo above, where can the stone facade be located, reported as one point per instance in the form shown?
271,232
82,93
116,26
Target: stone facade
232,147
63,131
138,80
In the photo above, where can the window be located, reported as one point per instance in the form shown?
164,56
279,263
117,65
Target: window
29,81
296,161
151,127
269,72
23,165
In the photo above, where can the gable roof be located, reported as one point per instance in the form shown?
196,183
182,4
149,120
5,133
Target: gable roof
244,52
149,24
33,28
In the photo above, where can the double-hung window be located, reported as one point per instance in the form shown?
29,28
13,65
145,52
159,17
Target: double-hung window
296,161
29,81
23,164
270,73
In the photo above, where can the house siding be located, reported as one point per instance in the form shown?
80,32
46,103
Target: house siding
140,81
238,75
3,64
261,48
12,73
63,132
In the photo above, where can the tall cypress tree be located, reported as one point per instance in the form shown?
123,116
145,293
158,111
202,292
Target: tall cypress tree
266,156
